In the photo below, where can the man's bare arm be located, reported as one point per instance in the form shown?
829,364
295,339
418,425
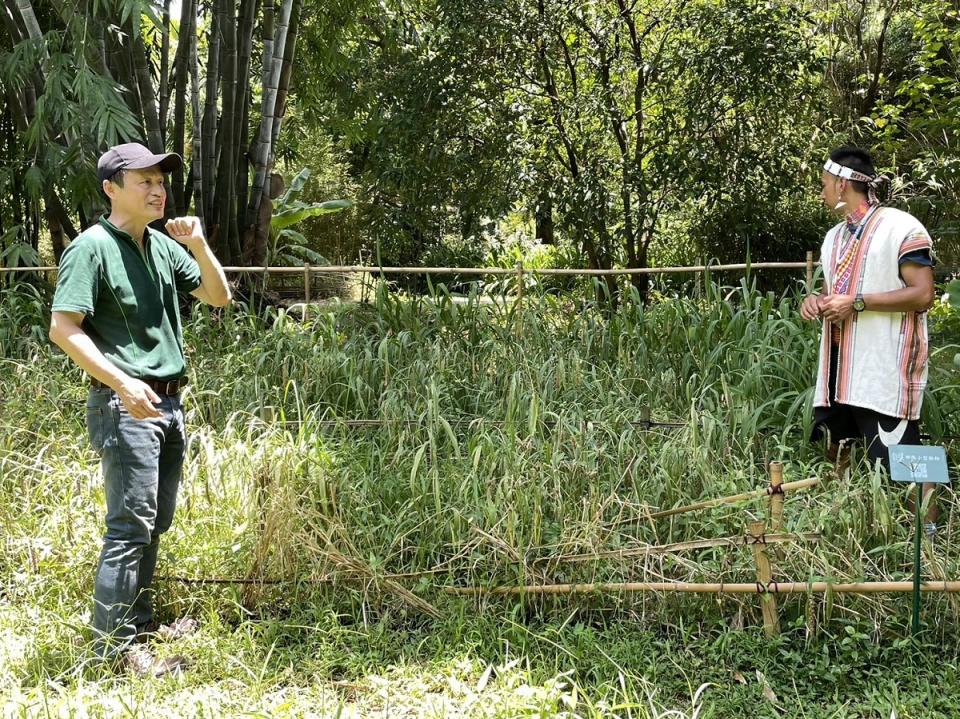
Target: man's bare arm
66,332
917,296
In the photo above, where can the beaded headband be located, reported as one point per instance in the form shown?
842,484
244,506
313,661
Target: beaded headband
848,173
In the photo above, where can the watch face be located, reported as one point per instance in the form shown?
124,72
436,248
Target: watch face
858,304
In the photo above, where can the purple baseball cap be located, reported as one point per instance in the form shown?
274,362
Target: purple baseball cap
134,156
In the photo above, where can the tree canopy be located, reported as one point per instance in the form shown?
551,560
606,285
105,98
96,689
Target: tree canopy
621,133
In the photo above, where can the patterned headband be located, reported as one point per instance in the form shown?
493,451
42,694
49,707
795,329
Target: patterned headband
848,173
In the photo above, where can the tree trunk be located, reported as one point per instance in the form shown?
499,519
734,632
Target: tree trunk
263,153
56,233
165,70
225,186
543,219
248,14
251,222
196,165
210,134
122,69
30,23
642,281
148,105
289,54
181,69
261,230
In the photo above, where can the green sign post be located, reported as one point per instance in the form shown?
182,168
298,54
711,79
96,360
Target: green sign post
921,465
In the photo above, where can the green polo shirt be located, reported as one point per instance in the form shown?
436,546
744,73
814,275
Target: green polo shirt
128,297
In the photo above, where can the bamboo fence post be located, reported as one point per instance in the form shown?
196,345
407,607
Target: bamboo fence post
768,601
809,272
776,496
645,416
519,285
306,289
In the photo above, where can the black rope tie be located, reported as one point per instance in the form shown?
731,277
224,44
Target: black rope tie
770,587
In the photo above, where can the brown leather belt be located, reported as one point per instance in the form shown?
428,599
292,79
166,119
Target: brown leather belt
172,386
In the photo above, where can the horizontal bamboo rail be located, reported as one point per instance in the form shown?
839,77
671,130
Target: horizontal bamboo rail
732,499
571,272
710,588
744,540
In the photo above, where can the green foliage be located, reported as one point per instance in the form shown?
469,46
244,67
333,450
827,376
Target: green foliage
77,112
24,317
287,245
510,439
918,126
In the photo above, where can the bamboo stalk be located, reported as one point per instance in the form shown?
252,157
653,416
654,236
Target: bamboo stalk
148,104
263,151
768,602
733,499
164,69
809,272
196,156
776,496
676,547
519,285
306,289
711,588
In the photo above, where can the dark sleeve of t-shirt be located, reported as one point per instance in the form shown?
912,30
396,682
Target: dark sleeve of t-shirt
185,268
918,257
78,279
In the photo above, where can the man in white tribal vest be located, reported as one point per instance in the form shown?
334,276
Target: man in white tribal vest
878,284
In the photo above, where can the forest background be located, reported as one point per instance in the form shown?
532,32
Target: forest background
571,134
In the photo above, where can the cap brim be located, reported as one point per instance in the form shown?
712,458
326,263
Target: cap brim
169,162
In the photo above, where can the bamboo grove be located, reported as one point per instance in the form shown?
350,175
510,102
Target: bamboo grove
210,85
621,134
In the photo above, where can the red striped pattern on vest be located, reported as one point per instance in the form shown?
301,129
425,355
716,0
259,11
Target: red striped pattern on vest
854,280
911,363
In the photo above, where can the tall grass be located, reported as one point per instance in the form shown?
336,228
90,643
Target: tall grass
509,435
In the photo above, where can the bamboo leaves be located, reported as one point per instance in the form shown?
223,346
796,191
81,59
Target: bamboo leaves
298,211
111,121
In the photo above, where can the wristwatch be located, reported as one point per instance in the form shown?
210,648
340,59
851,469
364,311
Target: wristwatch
858,304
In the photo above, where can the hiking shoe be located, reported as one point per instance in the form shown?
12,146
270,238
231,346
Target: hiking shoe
141,662
182,627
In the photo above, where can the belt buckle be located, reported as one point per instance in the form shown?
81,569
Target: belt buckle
172,387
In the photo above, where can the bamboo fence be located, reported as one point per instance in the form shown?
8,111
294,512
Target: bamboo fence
772,587
309,271
763,547
755,536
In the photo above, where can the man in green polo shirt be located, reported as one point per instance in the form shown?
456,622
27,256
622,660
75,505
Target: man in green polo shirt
116,314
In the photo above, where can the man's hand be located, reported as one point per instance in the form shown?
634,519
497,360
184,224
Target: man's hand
810,309
186,231
837,308
139,399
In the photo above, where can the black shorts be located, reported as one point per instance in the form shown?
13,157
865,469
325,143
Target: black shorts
845,423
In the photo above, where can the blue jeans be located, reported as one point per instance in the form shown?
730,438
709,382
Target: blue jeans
142,462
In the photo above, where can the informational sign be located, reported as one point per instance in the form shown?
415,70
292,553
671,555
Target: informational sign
916,463
922,465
